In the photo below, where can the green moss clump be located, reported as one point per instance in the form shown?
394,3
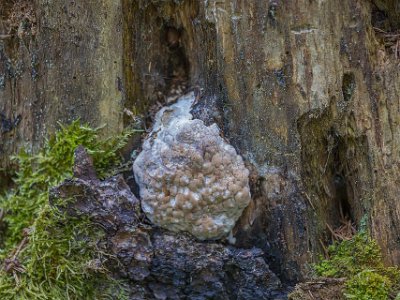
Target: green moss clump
47,255
359,260
368,285
350,257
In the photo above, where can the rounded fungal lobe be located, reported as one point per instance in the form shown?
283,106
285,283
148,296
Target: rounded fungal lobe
190,178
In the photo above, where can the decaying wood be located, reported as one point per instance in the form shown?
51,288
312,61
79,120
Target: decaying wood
307,91
160,264
320,289
308,94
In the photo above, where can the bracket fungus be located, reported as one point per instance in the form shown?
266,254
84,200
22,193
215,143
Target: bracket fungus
190,178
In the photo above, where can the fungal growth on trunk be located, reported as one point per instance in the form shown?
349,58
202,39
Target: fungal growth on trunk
190,178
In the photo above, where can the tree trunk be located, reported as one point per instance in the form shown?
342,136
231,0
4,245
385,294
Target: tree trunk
308,89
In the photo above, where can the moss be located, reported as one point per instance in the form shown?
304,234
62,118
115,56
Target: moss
359,260
350,257
368,285
47,255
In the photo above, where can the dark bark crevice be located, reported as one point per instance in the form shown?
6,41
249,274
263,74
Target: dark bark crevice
173,50
335,163
386,13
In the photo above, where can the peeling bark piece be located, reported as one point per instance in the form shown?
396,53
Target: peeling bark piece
109,203
183,268
185,174
84,168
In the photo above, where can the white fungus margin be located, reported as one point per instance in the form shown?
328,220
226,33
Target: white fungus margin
190,178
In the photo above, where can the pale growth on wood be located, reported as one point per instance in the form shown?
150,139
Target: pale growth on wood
190,178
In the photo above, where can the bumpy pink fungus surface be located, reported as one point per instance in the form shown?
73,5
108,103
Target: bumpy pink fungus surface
190,178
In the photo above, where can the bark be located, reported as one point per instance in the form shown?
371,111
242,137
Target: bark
59,61
308,92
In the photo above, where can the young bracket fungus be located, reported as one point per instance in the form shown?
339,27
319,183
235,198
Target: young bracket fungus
190,178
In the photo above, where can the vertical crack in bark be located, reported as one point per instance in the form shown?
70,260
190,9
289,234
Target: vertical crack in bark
335,164
172,51
178,67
